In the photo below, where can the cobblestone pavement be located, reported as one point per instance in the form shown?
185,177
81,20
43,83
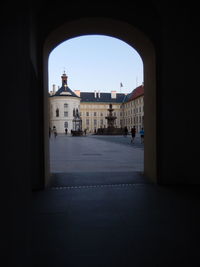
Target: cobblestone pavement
95,154
121,140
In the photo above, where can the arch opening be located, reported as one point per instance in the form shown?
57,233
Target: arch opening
143,46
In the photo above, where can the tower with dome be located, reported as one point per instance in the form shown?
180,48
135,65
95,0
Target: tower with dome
64,107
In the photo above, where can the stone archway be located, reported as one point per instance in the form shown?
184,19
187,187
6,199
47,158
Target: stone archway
142,45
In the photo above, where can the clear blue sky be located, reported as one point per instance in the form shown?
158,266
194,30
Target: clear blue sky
96,62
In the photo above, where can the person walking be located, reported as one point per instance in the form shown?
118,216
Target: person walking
54,131
49,132
66,130
125,131
133,132
142,135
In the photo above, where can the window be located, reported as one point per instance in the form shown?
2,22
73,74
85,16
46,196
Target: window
65,105
87,113
66,124
87,122
95,113
57,112
65,113
95,122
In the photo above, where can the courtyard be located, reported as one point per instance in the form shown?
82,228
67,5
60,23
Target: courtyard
95,159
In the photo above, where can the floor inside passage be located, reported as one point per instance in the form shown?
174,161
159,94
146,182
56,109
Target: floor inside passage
101,211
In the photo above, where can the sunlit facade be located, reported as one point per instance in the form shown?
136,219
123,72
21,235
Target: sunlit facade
92,107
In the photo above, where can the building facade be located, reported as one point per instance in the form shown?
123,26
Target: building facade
64,105
92,108
133,109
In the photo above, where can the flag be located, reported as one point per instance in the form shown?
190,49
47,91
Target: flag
121,85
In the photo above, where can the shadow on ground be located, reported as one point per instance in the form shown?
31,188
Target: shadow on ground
98,178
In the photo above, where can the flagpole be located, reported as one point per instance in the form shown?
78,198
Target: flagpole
121,86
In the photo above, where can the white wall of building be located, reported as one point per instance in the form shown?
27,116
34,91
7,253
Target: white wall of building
65,105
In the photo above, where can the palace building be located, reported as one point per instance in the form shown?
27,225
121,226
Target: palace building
92,108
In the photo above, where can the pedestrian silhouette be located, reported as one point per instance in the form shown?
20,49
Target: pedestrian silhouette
133,132
125,131
54,131
49,132
142,135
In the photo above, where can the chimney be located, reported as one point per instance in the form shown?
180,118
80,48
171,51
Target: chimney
54,89
113,94
77,92
95,94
